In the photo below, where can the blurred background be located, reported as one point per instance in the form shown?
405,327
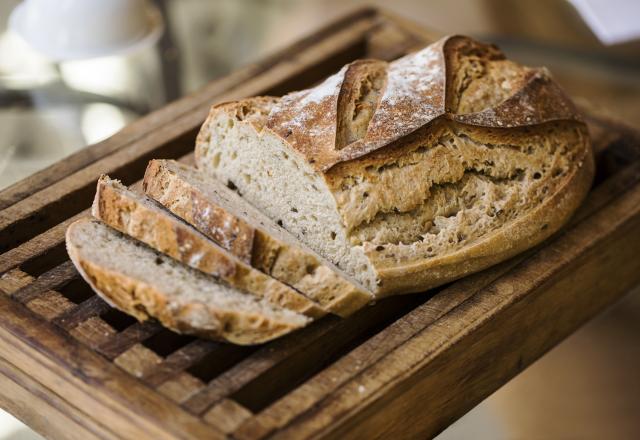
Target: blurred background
589,386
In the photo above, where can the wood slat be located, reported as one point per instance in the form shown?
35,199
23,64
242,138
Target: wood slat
14,280
180,360
181,387
278,366
51,280
93,332
94,306
227,415
50,304
598,199
132,335
82,377
138,360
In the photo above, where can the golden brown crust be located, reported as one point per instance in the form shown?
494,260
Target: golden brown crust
466,61
144,301
550,103
120,209
254,110
291,265
307,120
359,97
424,161
216,223
511,239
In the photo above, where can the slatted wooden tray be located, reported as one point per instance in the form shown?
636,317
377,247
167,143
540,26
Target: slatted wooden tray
71,367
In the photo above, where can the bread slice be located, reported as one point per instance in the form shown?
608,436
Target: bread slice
145,220
448,161
147,284
224,216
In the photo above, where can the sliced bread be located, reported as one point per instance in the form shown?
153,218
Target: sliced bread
144,219
224,216
146,284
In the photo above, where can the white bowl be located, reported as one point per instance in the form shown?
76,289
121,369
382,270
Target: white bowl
75,29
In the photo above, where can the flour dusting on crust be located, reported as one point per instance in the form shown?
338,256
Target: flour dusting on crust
306,119
414,95
326,90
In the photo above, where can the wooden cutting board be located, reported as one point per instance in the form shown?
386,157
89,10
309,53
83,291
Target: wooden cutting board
71,367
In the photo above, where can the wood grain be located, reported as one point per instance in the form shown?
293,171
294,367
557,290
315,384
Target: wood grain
48,415
50,280
138,332
94,306
90,381
181,360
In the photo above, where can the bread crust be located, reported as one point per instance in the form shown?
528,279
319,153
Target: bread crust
414,95
145,301
509,240
291,265
118,208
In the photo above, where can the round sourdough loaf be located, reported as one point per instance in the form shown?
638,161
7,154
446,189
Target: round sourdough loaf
412,173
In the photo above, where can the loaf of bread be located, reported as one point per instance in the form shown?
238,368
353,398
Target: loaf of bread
412,173
148,284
